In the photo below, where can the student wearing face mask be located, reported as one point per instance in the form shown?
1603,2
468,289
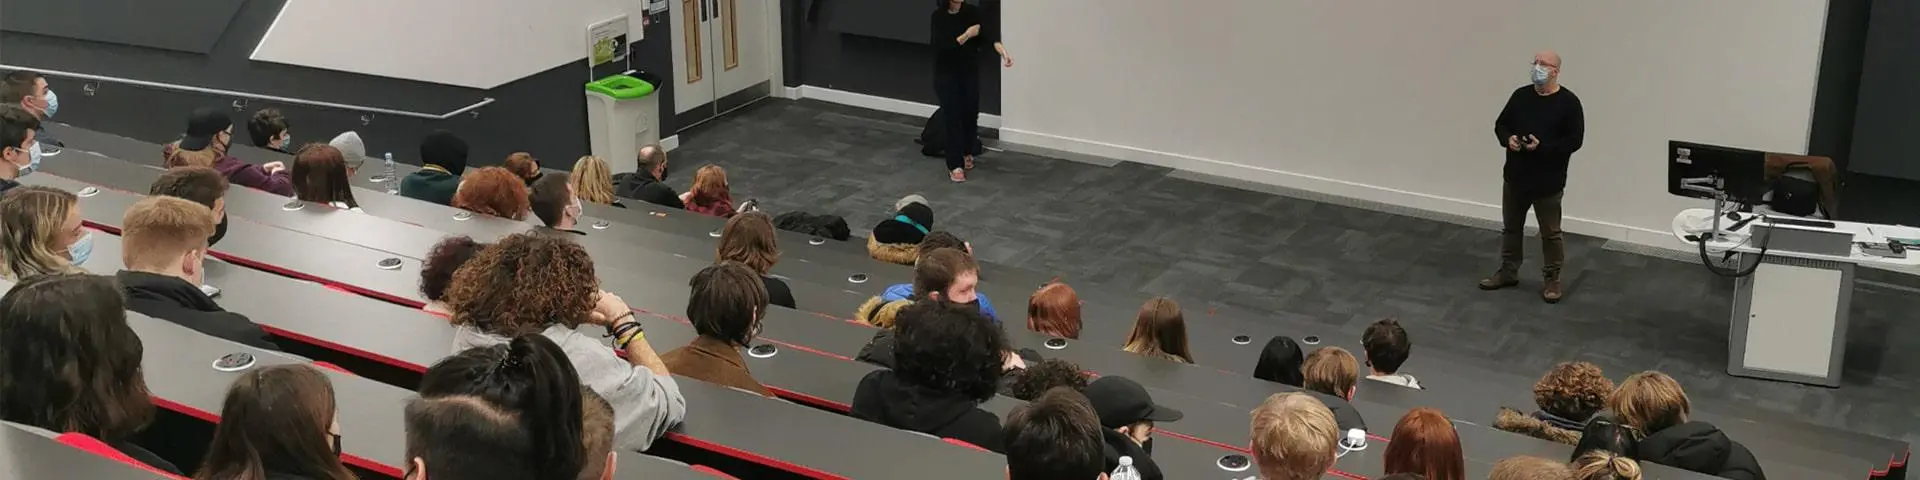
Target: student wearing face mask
269,130
648,183
163,243
209,133
40,233
552,200
28,90
1128,415
18,145
1540,127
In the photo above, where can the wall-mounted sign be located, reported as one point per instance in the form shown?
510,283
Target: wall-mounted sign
607,41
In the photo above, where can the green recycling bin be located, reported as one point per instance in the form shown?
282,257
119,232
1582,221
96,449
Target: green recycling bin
623,114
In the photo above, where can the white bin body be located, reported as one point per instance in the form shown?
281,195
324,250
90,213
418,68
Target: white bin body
618,128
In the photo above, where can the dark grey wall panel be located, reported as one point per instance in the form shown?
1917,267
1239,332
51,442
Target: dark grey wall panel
1837,95
183,25
544,114
1884,142
901,20
870,65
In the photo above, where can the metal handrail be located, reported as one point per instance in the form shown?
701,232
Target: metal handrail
254,96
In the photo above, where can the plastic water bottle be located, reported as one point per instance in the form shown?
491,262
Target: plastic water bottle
1125,471
392,176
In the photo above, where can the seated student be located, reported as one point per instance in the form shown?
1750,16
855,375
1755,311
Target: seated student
523,165
27,90
490,304
1332,373
709,195
209,134
553,202
1054,311
1128,417
1653,405
947,360
508,410
948,275
935,241
1567,396
725,308
278,422
1280,362
65,323
436,271
40,233
492,191
748,238
596,437
897,239
19,147
648,183
352,149
592,180
1159,331
163,246
201,185
443,158
1528,467
1294,437
1605,465
1425,442
320,176
269,130
1044,375
1387,346
1056,437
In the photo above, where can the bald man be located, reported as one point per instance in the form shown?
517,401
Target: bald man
1540,128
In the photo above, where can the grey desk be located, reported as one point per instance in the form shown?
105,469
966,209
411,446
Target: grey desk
27,455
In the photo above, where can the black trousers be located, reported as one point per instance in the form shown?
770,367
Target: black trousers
959,94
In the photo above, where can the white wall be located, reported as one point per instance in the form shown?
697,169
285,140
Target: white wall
1394,101
469,43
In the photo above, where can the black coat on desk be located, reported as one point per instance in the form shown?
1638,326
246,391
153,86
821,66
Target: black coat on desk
174,300
1699,447
884,398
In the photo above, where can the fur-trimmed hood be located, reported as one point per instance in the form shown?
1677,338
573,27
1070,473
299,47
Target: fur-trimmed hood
897,253
1513,421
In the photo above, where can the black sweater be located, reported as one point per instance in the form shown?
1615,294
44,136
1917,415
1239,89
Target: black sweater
1560,124
952,56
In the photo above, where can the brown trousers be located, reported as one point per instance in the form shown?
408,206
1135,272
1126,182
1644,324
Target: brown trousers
1513,230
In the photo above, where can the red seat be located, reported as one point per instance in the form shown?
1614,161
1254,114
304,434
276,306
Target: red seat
712,472
330,366
964,444
94,445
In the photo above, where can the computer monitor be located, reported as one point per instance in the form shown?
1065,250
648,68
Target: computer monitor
1699,170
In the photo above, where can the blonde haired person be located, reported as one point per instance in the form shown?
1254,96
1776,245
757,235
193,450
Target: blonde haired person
40,233
1293,437
1528,467
592,181
1654,409
1605,465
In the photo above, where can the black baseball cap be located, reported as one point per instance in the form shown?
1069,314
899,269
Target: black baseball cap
1121,402
202,125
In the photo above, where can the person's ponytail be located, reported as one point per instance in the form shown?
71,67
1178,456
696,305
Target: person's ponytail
550,407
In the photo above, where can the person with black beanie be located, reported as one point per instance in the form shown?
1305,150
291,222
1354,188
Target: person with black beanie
1541,126
443,157
897,238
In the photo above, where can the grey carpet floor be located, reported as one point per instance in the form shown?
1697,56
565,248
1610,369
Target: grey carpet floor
1145,228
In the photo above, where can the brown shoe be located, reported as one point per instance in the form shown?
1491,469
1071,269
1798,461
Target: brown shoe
1499,280
1551,293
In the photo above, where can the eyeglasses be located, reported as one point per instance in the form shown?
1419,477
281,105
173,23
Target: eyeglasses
1542,64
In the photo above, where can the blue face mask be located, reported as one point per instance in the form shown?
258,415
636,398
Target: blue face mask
53,103
33,165
81,249
1539,75
287,142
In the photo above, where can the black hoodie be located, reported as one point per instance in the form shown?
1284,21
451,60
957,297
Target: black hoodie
174,300
885,399
645,188
1700,447
1119,445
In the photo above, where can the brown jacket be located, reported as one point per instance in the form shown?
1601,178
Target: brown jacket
1513,421
900,253
713,361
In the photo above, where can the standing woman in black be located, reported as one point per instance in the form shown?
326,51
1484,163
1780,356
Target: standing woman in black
959,33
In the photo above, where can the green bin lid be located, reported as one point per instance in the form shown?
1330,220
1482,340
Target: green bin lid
624,87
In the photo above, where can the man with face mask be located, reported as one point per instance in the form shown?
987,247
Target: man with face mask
552,200
1540,128
28,90
163,245
18,148
1128,414
648,184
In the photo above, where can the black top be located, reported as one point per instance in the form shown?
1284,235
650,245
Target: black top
1119,445
7,184
885,399
645,188
174,300
777,292
1700,447
951,56
141,455
1560,124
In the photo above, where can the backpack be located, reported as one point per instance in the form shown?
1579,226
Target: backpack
821,225
933,138
1795,196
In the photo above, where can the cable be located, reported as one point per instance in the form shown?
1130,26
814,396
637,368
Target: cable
1728,272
